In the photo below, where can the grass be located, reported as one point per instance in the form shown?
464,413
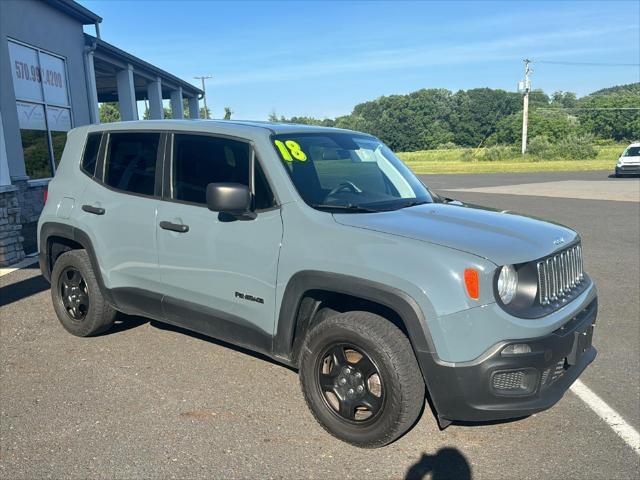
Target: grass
450,161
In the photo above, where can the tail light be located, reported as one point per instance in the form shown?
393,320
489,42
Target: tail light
46,194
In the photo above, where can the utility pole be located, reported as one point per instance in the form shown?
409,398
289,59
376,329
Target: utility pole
204,93
526,86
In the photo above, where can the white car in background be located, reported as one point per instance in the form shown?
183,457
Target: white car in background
629,161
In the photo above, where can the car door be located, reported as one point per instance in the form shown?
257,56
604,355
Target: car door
118,212
218,273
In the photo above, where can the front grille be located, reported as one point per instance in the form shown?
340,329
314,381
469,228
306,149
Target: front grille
508,380
560,274
515,382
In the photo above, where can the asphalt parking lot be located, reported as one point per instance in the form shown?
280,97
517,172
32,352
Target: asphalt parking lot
147,400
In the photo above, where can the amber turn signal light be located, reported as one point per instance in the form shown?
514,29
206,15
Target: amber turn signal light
472,282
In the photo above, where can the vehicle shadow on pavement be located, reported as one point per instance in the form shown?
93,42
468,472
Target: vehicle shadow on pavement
447,463
125,322
13,292
634,175
221,343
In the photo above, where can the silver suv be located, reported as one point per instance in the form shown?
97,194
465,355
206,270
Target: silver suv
319,248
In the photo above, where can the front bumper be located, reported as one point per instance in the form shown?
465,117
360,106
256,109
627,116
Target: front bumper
501,387
628,169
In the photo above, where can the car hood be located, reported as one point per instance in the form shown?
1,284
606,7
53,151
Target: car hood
635,159
499,236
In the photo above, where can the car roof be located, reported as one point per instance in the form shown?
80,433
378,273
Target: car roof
242,126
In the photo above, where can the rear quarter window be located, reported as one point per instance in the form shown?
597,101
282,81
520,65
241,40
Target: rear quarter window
131,162
90,155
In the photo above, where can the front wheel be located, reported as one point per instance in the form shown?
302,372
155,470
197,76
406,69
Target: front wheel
361,379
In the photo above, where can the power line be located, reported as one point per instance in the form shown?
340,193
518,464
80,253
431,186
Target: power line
587,64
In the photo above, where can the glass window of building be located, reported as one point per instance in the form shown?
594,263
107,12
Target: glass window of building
44,107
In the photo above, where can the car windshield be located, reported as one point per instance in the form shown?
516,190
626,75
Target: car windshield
632,152
348,172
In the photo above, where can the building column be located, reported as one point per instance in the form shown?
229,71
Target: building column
154,93
127,94
176,104
94,108
194,108
5,177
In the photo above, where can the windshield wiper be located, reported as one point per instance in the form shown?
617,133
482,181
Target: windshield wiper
414,203
350,207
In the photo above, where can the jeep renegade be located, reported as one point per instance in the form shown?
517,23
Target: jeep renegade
319,248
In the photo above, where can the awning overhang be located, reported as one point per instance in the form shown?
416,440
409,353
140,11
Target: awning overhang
108,60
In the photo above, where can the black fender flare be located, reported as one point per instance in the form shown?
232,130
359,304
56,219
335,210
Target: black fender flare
400,302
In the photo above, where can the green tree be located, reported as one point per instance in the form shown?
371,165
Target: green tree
610,116
548,123
273,116
227,113
428,118
477,113
147,114
564,99
109,112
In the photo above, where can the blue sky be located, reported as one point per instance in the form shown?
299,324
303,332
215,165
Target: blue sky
322,58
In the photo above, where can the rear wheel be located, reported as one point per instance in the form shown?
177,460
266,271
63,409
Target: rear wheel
360,379
76,296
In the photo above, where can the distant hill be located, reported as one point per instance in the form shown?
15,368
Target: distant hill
629,89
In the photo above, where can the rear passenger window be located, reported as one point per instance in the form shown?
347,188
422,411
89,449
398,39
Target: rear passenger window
91,153
131,162
200,160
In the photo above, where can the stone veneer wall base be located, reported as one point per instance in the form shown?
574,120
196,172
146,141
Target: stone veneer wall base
11,249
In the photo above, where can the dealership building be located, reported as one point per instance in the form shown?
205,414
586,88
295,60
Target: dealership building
53,76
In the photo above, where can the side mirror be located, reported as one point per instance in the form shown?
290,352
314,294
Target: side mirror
230,198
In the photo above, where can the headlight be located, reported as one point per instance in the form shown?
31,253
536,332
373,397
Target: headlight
507,284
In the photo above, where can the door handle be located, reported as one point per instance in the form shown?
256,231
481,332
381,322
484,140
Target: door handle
94,210
174,227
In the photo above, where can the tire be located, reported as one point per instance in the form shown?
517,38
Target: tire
400,387
83,311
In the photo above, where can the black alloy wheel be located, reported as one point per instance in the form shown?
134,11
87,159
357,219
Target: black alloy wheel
360,378
74,294
350,383
77,298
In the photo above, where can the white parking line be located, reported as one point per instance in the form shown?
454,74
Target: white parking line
625,431
24,263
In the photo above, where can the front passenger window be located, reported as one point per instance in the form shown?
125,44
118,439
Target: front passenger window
200,160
